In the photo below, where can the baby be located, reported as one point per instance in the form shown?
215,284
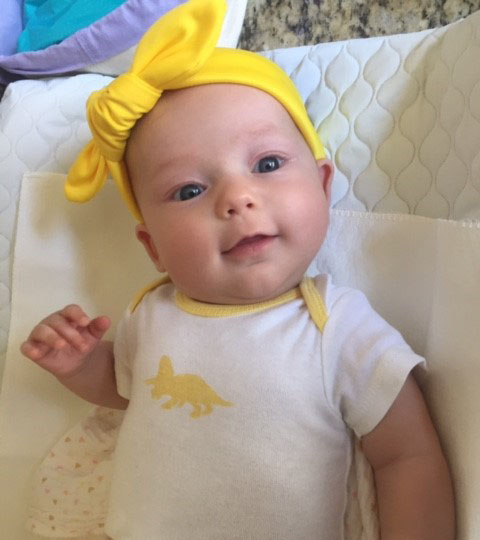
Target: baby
242,378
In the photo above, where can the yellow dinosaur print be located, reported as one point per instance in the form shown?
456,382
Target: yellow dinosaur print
183,389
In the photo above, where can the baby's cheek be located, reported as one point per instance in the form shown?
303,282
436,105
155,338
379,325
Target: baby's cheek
314,227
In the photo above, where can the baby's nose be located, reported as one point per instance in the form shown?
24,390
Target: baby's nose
235,200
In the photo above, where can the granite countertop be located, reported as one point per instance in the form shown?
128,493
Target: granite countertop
272,24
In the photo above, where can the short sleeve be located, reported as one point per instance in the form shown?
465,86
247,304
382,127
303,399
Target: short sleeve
122,348
365,360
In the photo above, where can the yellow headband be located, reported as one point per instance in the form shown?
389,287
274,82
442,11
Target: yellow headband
178,51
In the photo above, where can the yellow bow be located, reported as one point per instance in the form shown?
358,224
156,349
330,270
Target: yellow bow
172,49
178,51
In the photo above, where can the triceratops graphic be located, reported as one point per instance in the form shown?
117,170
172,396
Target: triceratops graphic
183,389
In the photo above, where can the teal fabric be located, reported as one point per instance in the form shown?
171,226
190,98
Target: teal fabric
47,22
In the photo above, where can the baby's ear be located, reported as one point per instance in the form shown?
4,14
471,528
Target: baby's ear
146,240
325,171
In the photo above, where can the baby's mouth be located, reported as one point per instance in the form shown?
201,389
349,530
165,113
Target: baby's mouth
250,245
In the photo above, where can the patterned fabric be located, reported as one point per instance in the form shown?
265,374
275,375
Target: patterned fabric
71,486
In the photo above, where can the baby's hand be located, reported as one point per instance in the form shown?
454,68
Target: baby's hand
62,342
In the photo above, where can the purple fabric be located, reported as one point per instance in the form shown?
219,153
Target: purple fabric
107,37
10,25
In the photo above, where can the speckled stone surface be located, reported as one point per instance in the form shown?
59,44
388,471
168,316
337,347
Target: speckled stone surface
272,24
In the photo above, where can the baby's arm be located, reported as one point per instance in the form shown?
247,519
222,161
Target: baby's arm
414,488
69,345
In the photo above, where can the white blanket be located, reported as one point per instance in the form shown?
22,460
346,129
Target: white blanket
421,274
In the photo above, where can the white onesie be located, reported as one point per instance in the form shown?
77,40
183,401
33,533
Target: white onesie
239,419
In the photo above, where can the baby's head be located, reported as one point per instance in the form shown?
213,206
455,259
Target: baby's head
224,172
234,204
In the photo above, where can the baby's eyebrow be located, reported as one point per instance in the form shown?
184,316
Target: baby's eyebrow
257,132
250,133
170,162
260,130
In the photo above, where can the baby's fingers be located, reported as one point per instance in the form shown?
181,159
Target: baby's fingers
67,331
34,351
76,328
57,331
75,314
45,333
99,326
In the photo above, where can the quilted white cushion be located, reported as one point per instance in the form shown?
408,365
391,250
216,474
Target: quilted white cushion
400,115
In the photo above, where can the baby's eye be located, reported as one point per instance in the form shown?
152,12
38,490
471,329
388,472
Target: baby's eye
268,164
188,192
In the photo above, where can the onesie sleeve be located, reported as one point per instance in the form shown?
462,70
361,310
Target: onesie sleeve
122,352
365,360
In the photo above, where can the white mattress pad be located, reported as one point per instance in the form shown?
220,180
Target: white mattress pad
400,116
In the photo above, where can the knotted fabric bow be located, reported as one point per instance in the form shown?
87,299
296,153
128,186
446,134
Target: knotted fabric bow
178,51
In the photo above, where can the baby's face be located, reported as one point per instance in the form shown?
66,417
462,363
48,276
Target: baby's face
235,206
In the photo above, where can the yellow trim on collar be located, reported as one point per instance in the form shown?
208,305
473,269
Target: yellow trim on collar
226,310
315,304
307,289
139,296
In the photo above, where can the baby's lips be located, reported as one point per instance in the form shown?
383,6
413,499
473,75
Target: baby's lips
247,239
250,245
